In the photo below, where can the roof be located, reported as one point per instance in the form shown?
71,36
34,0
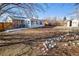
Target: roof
17,17
36,19
4,17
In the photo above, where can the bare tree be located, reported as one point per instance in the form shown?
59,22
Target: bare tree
30,9
75,12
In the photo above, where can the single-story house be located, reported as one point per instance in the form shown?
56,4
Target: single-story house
33,23
73,23
22,22
17,22
10,22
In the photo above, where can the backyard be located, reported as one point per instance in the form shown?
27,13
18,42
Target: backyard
40,41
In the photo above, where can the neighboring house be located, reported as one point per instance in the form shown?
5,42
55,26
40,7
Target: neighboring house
73,23
33,23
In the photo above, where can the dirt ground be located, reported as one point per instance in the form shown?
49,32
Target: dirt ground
30,42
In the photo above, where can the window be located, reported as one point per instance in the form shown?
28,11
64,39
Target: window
36,22
28,22
32,22
40,22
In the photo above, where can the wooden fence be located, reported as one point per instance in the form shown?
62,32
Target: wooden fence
6,25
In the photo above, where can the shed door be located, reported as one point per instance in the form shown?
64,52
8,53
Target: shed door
70,23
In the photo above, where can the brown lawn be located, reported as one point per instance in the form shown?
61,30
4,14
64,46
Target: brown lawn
28,42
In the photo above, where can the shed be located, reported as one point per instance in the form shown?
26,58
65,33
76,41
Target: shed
73,23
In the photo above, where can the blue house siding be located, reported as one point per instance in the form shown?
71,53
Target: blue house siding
29,23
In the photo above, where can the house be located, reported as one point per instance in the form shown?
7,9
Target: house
17,22
73,23
22,22
33,23
10,22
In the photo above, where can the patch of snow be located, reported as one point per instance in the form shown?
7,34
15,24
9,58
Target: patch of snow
13,30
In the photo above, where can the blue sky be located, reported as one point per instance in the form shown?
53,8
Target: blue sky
57,10
53,10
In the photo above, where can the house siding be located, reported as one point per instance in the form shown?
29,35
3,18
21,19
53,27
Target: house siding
37,23
17,23
33,23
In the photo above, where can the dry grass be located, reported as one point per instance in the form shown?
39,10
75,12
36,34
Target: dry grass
24,42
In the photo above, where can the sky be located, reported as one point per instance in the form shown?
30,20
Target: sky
58,10
52,10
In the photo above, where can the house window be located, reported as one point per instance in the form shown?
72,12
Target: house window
28,22
36,22
40,22
32,22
